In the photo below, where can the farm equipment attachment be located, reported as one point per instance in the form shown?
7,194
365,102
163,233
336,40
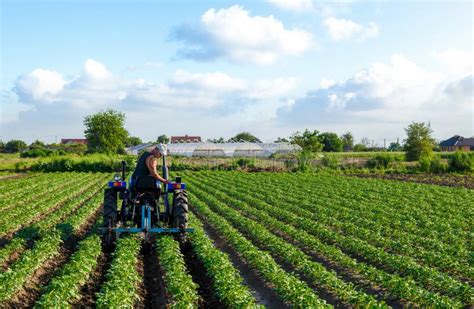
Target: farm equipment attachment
140,210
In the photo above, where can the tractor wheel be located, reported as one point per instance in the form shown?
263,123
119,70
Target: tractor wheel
180,210
110,207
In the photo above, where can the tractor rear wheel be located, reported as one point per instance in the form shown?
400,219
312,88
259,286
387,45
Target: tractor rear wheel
109,215
180,210
110,207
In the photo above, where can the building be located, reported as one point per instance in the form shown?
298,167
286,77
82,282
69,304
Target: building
69,141
185,139
457,143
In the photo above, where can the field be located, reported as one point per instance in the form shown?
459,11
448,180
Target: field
271,240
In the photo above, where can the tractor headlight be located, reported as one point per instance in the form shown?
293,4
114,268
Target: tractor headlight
117,177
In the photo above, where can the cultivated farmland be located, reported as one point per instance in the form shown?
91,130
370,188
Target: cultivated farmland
261,240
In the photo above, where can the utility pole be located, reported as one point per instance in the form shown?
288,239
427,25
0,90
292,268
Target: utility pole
384,144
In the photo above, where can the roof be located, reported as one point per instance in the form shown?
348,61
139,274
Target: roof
466,142
73,140
451,141
185,139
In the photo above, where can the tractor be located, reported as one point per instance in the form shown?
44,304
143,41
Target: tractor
140,210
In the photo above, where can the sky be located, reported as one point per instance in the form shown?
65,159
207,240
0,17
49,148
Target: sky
216,68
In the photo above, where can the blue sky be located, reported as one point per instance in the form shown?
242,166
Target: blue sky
215,68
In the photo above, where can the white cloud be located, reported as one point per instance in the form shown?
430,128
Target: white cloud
343,29
326,83
388,94
456,61
236,35
39,85
95,70
293,5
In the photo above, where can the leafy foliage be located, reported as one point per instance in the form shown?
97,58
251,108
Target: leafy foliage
307,140
331,142
419,142
246,137
105,132
461,162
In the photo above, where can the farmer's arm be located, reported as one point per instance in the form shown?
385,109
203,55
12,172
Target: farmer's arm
151,164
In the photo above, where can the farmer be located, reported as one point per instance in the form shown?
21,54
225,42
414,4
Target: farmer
146,165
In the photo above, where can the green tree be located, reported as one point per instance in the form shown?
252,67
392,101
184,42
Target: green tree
37,145
163,139
347,141
419,142
331,142
281,140
133,141
15,146
105,132
217,140
307,140
360,147
394,146
246,137
2,146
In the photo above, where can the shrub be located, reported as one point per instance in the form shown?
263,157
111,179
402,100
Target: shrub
245,162
380,161
461,162
304,161
330,161
92,163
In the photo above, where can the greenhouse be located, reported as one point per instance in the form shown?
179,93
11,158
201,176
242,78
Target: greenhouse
230,149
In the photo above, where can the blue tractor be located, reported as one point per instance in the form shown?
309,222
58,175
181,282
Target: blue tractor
140,210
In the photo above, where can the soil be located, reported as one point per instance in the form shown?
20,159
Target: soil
450,180
195,269
263,293
152,291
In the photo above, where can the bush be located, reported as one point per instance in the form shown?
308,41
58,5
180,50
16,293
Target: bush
434,165
41,153
92,163
330,161
245,162
380,161
304,161
461,162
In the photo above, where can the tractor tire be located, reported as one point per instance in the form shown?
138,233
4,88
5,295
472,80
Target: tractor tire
180,210
110,207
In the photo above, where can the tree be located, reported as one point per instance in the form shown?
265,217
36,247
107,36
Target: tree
217,140
307,140
331,142
37,145
2,146
105,132
246,137
15,146
347,141
360,147
395,146
419,142
282,140
133,141
163,139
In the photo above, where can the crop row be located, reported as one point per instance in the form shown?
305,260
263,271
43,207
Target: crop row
395,286
45,248
120,289
331,218
290,288
226,280
18,243
180,288
64,288
20,216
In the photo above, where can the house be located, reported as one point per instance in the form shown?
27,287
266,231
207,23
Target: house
69,141
457,143
185,139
